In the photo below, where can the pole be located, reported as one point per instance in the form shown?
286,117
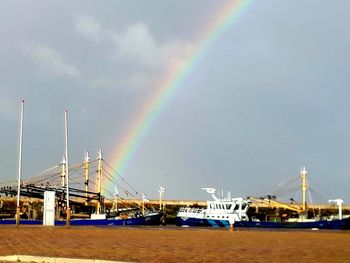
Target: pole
20,163
161,192
116,198
67,170
86,168
304,187
143,204
99,180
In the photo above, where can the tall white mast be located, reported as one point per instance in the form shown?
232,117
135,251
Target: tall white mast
20,163
67,165
99,181
86,168
303,174
161,195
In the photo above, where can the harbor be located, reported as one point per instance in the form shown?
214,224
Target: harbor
174,131
34,206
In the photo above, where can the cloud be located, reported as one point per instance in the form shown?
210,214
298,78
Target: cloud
136,43
88,27
134,48
50,60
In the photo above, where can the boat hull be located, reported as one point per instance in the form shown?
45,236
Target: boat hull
153,219
322,224
201,222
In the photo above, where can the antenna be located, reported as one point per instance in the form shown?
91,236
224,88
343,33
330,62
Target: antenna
211,191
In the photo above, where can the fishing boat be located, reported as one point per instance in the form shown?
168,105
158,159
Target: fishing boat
153,218
64,199
220,212
233,212
88,208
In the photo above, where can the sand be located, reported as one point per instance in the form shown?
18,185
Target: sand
175,244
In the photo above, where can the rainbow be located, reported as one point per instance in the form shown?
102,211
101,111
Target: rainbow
179,71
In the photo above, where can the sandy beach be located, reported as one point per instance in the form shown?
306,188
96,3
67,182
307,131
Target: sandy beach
173,244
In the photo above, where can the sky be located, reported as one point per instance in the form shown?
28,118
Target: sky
270,94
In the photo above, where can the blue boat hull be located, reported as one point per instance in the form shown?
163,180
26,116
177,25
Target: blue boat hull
201,222
147,220
323,224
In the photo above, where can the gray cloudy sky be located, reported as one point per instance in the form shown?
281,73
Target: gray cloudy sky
269,95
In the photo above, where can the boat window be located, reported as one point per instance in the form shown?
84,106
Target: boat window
228,206
236,207
243,206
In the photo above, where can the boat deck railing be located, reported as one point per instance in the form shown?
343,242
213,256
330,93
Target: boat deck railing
191,209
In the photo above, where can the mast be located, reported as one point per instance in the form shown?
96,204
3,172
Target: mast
116,198
20,163
161,194
99,179
86,168
303,174
143,203
67,170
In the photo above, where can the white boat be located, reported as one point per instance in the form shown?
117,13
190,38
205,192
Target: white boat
219,212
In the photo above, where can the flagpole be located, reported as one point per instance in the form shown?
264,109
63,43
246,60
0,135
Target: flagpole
20,164
67,170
